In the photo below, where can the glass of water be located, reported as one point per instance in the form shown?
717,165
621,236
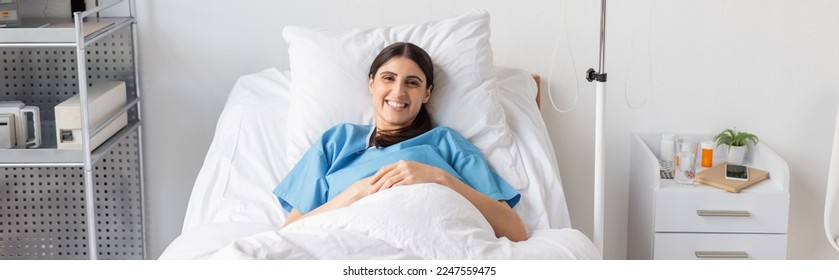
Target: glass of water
685,161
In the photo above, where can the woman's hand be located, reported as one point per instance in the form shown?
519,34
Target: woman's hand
361,188
405,173
353,193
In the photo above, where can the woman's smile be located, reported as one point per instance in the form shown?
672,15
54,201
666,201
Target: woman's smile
396,105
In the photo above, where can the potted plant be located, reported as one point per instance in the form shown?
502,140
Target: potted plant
738,143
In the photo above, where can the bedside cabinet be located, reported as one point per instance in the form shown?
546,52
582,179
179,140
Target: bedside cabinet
673,221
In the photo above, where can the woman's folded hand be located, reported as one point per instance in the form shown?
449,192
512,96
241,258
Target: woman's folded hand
405,172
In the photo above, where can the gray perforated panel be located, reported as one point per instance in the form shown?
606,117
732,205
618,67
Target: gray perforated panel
42,210
42,213
118,202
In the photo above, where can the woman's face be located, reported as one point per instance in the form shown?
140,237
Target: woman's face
399,90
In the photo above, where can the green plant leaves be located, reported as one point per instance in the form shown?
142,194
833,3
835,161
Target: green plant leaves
732,137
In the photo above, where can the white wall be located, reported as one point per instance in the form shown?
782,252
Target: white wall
766,66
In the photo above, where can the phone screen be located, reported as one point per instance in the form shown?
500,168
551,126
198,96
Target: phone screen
736,172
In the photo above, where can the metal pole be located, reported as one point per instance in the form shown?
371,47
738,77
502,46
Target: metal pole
601,64
134,44
599,154
81,65
599,159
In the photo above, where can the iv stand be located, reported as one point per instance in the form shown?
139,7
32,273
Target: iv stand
600,79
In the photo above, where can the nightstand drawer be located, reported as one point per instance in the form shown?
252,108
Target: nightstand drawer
692,246
721,212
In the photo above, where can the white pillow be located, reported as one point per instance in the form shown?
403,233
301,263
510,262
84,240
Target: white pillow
329,84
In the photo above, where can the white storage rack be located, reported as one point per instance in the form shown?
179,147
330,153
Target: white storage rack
72,204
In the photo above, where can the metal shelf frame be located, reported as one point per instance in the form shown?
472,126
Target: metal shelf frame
86,157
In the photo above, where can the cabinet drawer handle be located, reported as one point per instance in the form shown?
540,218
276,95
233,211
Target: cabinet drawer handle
723,213
721,255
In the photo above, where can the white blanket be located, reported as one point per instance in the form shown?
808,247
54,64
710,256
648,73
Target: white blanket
422,221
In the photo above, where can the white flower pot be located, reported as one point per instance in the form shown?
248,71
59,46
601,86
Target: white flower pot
736,154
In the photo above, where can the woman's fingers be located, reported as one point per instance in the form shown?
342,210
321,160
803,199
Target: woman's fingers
401,173
388,180
381,173
389,176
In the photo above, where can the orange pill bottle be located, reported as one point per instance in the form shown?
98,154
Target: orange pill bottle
707,153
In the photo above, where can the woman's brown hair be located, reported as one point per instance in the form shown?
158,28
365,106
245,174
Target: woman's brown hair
422,122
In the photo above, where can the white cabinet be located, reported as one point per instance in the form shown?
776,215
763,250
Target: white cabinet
673,221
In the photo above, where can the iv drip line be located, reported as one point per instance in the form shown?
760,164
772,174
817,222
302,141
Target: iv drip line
573,67
563,21
649,62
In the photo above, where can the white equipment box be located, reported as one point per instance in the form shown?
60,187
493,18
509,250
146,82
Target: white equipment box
7,131
105,98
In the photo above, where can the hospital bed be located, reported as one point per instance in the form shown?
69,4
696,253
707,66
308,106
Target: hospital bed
233,214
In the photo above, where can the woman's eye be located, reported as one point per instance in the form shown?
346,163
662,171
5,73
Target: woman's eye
413,83
387,78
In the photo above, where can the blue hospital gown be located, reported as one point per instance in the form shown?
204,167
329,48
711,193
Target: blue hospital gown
341,157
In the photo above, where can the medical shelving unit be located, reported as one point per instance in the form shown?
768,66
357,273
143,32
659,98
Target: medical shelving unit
72,204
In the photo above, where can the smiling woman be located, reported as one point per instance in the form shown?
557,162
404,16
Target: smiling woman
402,149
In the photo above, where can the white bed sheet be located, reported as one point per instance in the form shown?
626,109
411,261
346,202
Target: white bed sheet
386,225
232,197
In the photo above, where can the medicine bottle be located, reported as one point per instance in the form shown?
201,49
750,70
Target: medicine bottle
667,151
707,153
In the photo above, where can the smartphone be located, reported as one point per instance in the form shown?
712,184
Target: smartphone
736,172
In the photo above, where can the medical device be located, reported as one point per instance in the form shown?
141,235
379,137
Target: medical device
105,99
7,131
14,125
9,15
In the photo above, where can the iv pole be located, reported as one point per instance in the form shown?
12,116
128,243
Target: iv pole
600,79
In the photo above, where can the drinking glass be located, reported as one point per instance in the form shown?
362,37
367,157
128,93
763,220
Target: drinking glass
685,161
